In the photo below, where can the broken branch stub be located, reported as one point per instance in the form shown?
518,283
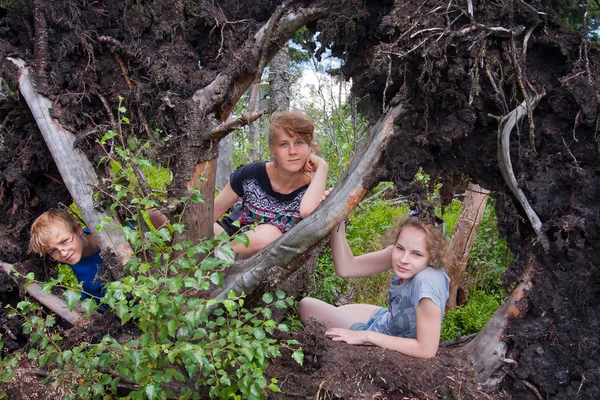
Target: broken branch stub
52,302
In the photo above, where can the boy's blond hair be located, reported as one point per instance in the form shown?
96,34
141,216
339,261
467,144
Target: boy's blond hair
40,230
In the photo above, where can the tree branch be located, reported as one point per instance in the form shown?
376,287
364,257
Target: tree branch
76,170
52,302
245,119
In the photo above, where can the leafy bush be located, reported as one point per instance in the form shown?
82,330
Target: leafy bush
472,316
217,344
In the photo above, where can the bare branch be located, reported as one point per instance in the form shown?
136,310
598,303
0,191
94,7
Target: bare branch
76,170
245,119
54,303
245,276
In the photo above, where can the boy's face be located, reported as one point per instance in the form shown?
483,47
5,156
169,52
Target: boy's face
64,246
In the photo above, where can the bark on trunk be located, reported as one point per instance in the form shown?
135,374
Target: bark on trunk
224,161
464,235
280,80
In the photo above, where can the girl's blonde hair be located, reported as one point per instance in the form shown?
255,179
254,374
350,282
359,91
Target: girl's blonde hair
436,243
292,123
41,229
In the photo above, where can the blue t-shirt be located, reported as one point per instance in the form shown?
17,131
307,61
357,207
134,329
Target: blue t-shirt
88,271
403,299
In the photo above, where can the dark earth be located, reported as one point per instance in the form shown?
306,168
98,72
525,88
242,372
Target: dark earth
456,77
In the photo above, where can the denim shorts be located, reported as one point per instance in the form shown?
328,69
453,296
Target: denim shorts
361,326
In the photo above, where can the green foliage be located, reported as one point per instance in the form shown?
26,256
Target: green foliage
471,317
572,14
220,345
326,285
489,256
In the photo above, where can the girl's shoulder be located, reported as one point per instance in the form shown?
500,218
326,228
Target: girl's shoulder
432,276
251,170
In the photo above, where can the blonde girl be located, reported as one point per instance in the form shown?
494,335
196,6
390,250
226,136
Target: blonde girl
417,294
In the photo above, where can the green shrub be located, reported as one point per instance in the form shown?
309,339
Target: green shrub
472,316
220,345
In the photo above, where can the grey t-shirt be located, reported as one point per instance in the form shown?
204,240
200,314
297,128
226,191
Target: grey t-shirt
403,299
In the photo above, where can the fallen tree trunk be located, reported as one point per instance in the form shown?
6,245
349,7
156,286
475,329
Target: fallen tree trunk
77,172
52,302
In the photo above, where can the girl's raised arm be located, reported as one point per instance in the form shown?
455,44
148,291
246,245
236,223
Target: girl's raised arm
224,201
425,345
348,266
318,184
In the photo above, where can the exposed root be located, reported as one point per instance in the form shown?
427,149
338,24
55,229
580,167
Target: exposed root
533,389
40,49
504,129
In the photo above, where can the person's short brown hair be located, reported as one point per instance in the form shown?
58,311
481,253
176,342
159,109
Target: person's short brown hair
292,122
437,245
40,229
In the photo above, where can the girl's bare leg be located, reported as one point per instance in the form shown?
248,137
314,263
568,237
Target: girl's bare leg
262,235
334,317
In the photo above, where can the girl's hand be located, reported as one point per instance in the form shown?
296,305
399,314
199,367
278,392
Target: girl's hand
325,194
312,163
346,335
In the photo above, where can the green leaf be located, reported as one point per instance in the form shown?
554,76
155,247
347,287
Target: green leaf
242,238
107,136
259,334
71,297
274,388
283,328
151,391
217,278
267,298
88,306
298,356
280,294
172,327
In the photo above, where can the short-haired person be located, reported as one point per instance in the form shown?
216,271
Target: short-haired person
417,294
57,234
277,194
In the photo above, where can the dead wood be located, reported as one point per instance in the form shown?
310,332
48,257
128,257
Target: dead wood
507,123
464,235
487,352
77,172
52,302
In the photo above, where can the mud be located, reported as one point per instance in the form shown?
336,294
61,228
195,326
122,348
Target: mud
456,83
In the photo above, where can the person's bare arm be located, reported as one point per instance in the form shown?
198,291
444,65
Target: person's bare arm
424,346
318,184
348,266
224,201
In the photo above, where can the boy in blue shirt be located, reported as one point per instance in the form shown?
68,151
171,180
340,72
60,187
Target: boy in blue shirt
57,234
